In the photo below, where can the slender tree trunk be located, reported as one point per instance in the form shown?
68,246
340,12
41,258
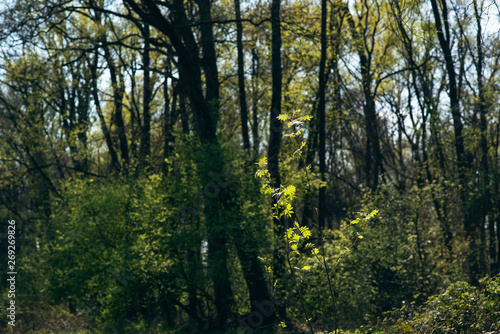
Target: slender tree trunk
484,196
336,109
118,91
469,209
184,113
241,77
255,97
209,60
321,116
253,273
115,165
83,122
373,155
69,122
274,148
169,115
444,42
145,146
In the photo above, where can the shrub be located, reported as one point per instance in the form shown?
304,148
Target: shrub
41,318
459,309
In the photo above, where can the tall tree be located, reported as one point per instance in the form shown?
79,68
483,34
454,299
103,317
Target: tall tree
364,44
484,196
145,146
274,148
118,86
206,110
469,208
241,76
189,65
321,115
255,108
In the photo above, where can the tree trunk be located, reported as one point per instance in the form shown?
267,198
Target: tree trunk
118,91
209,60
275,133
373,156
470,208
255,110
114,165
169,115
484,196
321,115
145,146
241,77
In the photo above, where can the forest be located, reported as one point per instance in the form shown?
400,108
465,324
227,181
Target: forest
249,166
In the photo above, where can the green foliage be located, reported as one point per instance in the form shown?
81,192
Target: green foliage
130,254
404,257
311,268
461,308
332,260
110,258
42,318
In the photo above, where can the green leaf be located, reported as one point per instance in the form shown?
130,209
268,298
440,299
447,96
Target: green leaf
283,117
262,162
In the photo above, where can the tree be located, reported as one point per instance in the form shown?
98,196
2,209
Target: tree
274,147
321,113
241,77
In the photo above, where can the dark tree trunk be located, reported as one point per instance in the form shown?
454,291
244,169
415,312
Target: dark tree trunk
444,42
145,146
241,78
169,115
373,155
83,122
184,113
484,196
471,208
115,165
321,116
118,91
209,60
255,110
275,133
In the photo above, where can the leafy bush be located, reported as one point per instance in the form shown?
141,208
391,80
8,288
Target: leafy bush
41,318
401,258
459,309
109,259
353,292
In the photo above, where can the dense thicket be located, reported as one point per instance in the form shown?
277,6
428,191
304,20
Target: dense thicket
131,133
